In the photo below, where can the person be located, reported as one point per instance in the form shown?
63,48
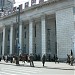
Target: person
68,59
0,58
56,59
11,59
17,60
31,60
43,59
38,56
71,60
3,57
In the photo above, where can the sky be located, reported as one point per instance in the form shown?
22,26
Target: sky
18,2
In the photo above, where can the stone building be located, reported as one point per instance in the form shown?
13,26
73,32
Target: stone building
6,7
6,4
45,28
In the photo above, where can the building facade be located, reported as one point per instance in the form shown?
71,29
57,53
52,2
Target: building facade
46,28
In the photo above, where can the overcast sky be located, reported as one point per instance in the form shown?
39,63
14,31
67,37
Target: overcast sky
18,2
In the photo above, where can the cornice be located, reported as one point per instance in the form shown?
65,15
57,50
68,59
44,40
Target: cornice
34,7
50,2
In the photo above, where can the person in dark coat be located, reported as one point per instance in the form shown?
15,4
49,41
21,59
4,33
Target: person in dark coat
3,57
56,59
11,59
71,60
68,59
31,60
0,58
43,59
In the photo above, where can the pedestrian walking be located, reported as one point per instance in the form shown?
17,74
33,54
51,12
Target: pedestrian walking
71,60
56,59
11,59
3,57
31,60
0,58
43,59
68,59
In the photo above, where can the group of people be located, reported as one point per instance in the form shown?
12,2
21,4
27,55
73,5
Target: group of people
25,57
7,58
30,58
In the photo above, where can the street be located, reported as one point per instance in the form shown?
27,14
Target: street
24,69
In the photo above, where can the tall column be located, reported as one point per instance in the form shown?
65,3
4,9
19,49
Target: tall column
43,34
30,37
0,42
3,46
11,39
21,37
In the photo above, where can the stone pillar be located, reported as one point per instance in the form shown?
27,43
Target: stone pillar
11,39
30,36
21,37
3,46
43,34
0,42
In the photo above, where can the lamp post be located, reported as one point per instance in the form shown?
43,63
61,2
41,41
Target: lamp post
17,38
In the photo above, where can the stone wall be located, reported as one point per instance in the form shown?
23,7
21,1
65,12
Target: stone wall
65,31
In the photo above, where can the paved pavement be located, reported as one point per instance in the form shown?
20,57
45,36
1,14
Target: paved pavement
24,69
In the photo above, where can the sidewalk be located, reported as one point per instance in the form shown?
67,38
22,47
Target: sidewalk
48,65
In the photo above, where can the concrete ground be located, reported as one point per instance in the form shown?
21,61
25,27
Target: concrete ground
50,68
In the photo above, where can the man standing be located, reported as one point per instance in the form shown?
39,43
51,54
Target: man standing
31,60
71,60
43,59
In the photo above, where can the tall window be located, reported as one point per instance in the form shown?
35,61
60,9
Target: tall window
8,35
25,48
25,34
17,33
25,27
35,30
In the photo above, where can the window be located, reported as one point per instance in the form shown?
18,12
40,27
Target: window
25,49
17,33
25,34
25,27
8,37
35,30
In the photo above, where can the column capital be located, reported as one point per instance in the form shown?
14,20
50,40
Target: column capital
4,26
11,25
43,15
30,19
